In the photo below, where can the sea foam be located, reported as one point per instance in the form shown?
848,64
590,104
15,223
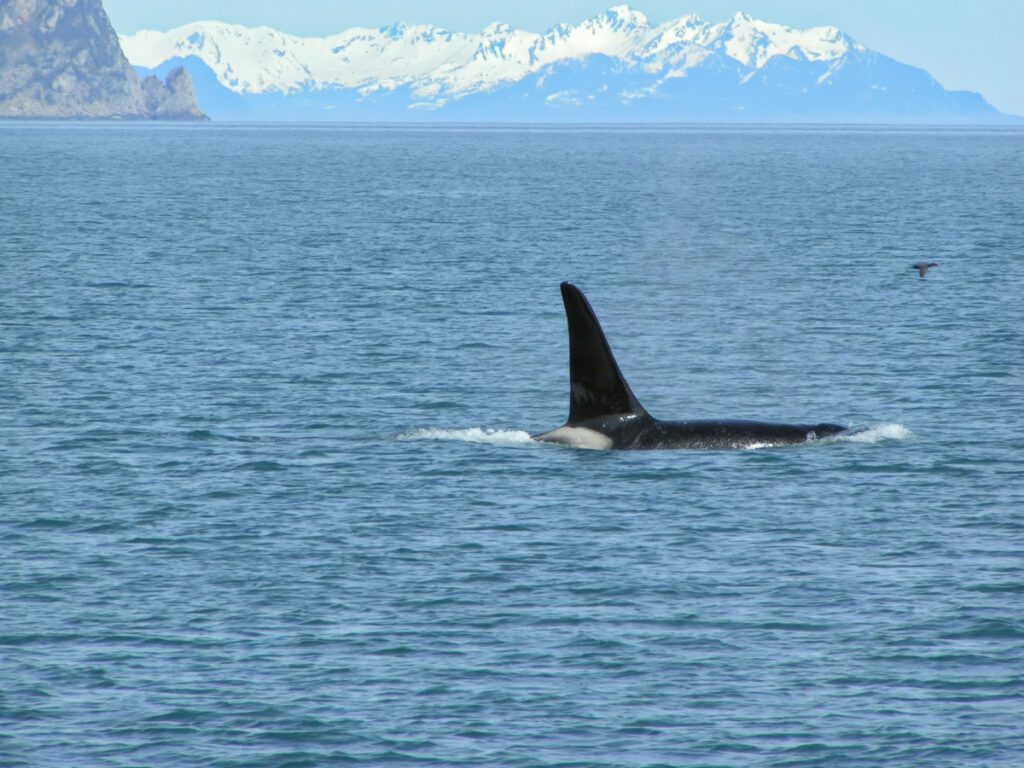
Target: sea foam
877,433
472,435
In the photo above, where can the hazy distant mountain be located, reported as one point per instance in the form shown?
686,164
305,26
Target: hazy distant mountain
62,59
614,67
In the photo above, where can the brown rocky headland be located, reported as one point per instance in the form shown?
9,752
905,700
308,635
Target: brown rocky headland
61,59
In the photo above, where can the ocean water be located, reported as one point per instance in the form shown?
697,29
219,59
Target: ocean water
267,495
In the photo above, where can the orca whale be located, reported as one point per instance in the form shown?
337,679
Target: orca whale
604,413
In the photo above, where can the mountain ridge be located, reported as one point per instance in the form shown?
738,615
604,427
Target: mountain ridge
682,69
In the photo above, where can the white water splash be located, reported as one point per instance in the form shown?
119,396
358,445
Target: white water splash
877,433
472,435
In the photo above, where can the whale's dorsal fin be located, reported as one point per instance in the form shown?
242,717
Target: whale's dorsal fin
597,387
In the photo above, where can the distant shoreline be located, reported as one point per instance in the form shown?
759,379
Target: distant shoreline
1013,125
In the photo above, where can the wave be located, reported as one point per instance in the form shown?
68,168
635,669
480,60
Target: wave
472,435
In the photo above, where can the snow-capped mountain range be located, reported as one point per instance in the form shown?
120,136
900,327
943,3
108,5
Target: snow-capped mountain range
615,66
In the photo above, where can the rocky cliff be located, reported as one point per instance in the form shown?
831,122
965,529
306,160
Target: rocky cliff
173,98
62,59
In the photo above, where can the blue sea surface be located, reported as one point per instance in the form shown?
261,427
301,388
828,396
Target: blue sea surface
267,496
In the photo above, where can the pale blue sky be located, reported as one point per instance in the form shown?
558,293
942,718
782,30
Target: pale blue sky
966,44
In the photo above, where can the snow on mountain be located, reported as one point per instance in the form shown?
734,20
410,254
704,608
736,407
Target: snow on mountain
753,42
602,66
436,61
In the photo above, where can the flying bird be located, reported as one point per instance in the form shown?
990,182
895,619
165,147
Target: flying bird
923,266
